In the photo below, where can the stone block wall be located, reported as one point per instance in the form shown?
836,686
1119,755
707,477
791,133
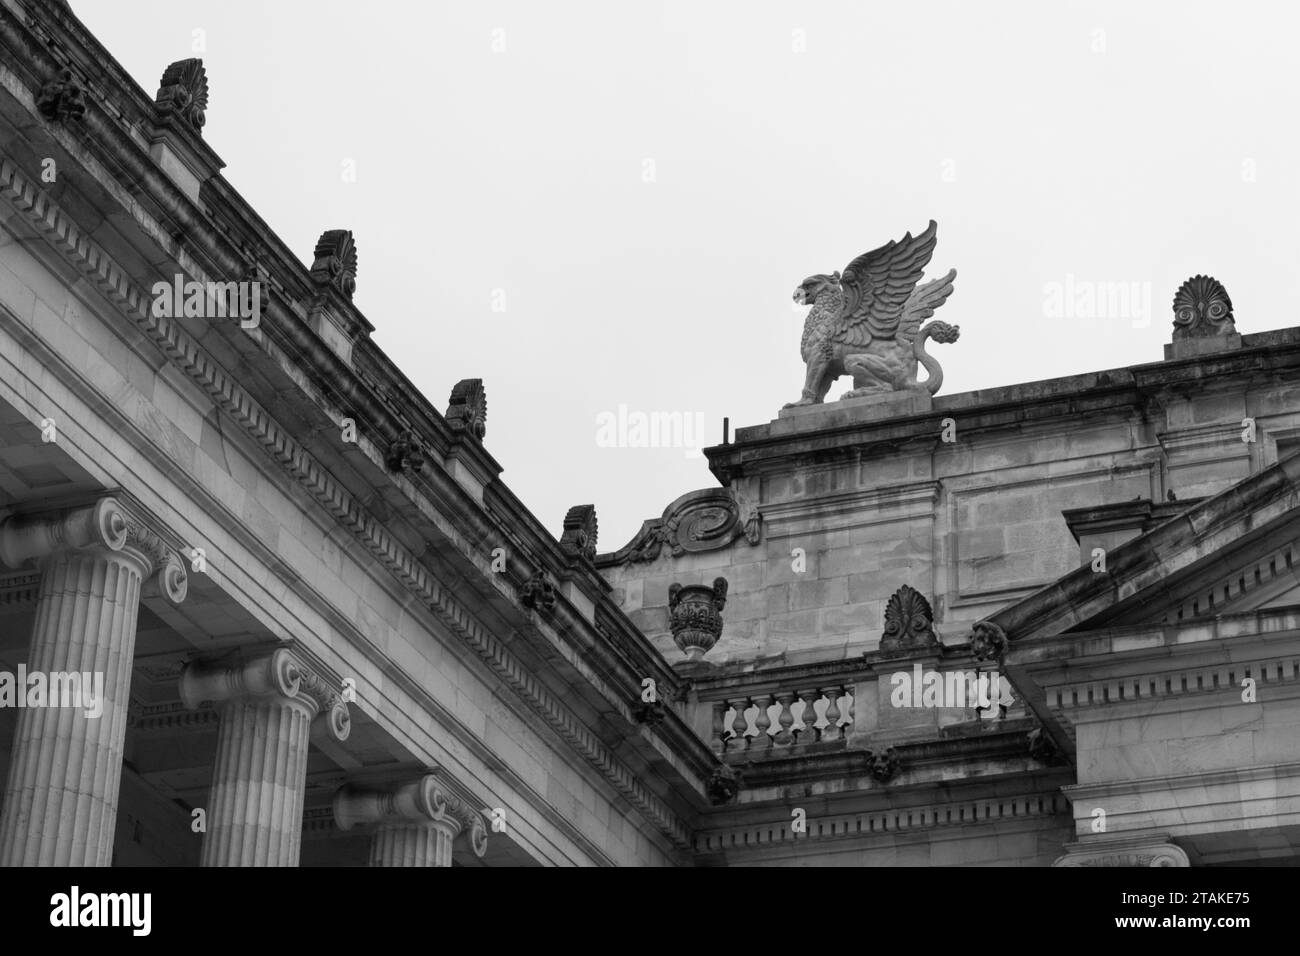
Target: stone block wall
855,503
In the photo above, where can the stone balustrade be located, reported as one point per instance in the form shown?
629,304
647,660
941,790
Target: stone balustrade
784,718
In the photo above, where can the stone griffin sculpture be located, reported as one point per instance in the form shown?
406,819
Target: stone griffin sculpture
867,322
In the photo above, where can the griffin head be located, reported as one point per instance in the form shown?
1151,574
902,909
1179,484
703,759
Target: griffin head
813,286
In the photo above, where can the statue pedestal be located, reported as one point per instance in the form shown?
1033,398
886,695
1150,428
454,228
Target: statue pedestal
1187,348
848,411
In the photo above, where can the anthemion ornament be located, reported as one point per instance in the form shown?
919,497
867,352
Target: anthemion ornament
909,621
183,92
1202,309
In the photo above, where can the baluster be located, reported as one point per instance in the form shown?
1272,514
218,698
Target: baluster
719,724
853,709
762,721
785,719
832,731
739,724
810,715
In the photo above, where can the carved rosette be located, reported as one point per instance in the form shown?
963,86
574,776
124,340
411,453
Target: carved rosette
724,783
538,593
279,673
909,622
987,641
695,616
700,521
1202,309
422,800
183,92
883,766
62,98
335,265
406,453
579,535
467,408
105,524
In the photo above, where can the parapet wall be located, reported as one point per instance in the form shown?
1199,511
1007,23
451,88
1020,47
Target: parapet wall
824,513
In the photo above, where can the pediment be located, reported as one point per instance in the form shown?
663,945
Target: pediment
1255,573
1236,552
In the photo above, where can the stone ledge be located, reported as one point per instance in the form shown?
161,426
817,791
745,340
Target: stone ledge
850,411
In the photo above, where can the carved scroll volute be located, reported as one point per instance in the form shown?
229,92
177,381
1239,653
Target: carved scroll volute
105,524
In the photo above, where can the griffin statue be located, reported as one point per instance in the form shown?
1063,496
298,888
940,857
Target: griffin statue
867,322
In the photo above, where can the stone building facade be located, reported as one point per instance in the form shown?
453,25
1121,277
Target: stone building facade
315,626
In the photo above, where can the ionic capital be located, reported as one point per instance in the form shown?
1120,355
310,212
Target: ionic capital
106,524
421,800
1124,851
277,674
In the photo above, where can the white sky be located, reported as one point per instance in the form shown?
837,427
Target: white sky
1111,142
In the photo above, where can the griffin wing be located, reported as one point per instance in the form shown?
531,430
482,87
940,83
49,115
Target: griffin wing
920,305
877,285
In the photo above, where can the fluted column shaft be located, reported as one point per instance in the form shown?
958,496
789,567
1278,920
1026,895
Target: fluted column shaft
258,784
60,802
413,844
259,776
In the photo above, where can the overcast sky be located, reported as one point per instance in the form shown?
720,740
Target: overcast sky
599,204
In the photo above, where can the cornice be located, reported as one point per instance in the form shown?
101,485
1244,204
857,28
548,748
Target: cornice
1125,390
186,355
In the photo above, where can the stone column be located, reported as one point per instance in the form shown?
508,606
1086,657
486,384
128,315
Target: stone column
415,822
268,703
60,803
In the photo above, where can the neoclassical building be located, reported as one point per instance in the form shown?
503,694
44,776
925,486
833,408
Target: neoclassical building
264,603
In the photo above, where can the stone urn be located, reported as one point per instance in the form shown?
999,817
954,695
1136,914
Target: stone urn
695,616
